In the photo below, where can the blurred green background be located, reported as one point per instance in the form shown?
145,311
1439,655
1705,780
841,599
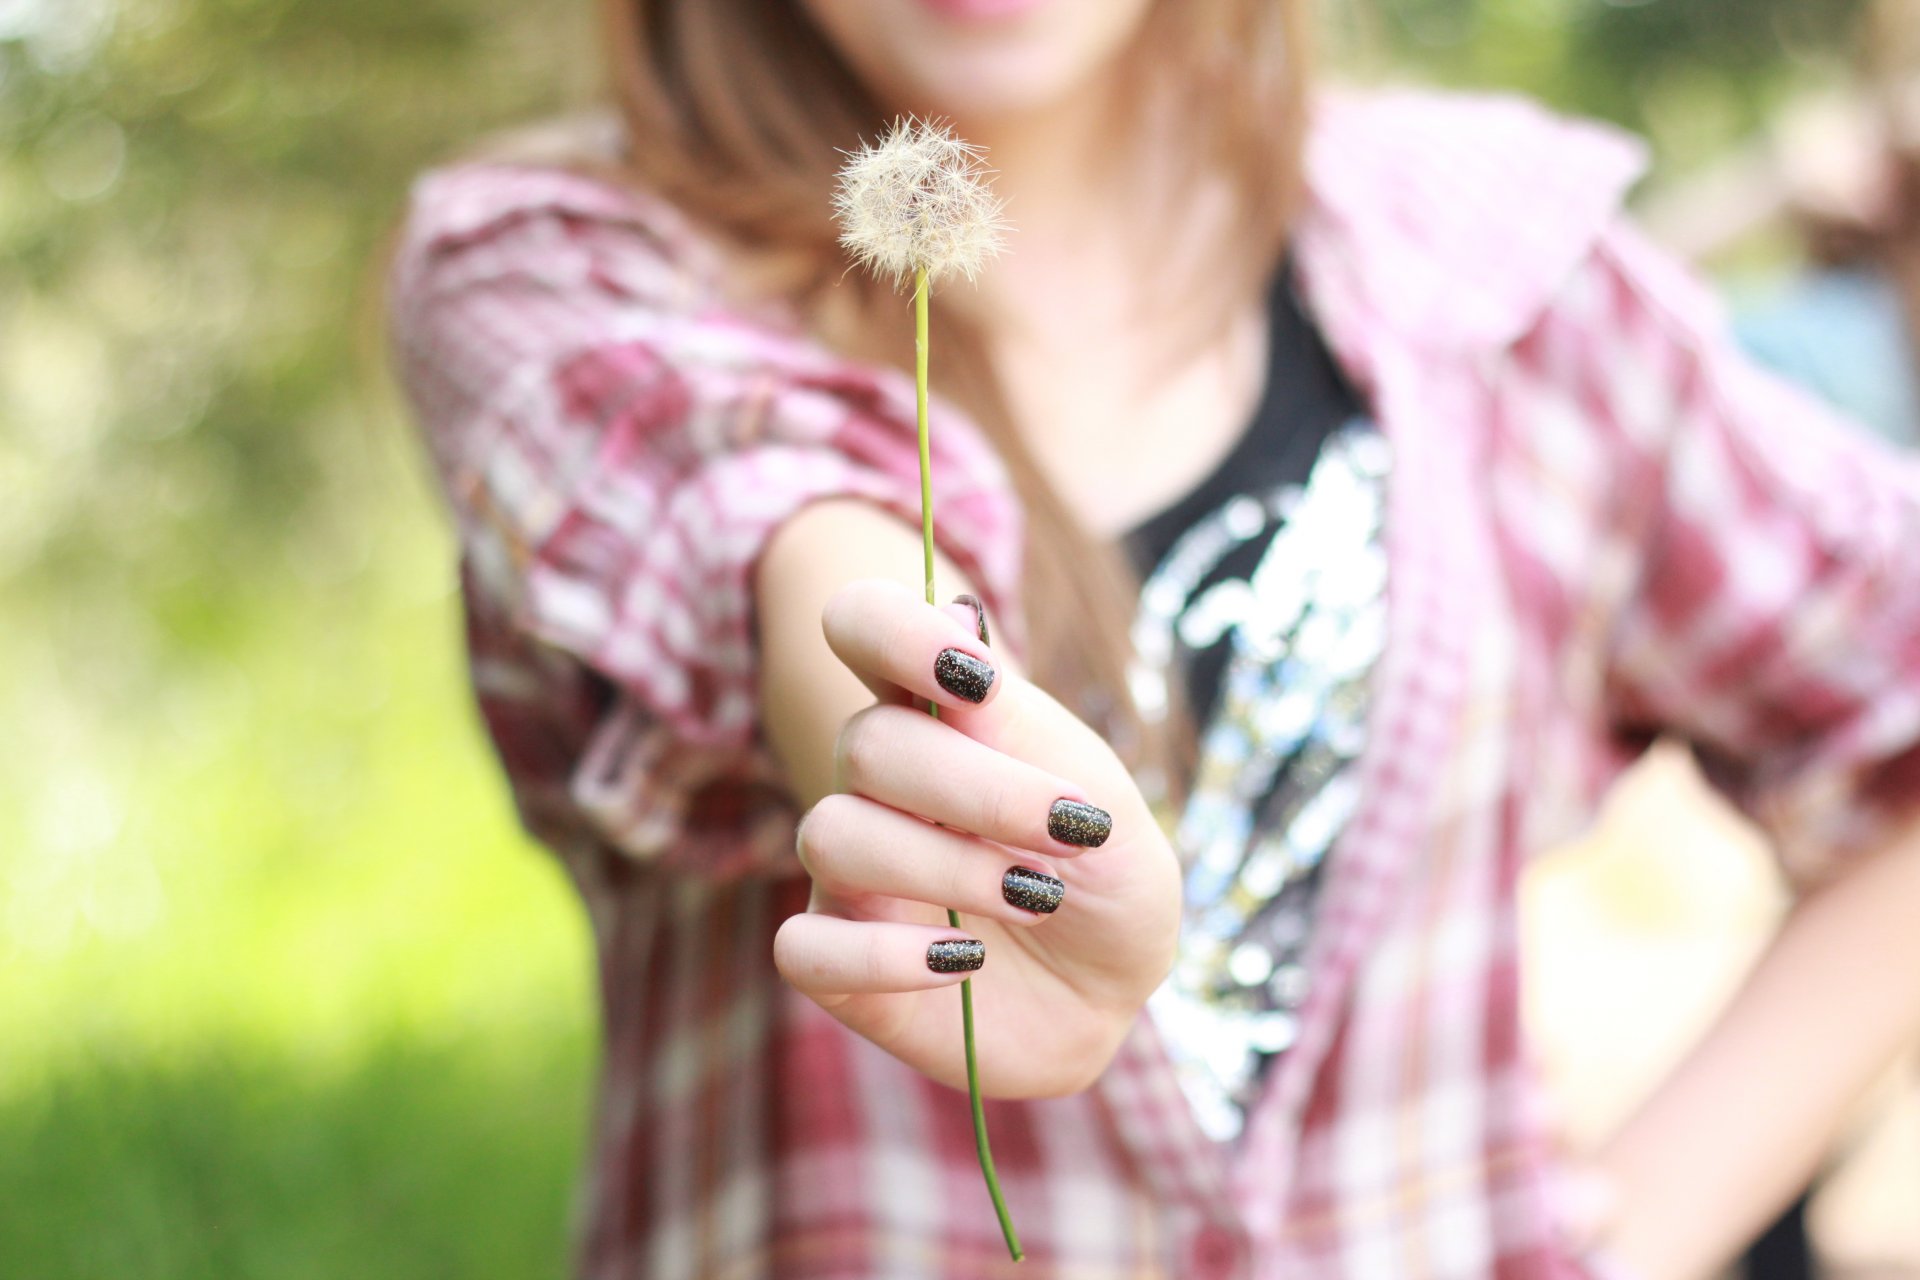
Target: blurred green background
283,992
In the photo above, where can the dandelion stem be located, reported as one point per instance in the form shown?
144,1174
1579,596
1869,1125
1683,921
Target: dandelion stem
921,289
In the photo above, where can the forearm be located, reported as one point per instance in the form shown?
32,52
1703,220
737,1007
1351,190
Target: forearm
1735,1132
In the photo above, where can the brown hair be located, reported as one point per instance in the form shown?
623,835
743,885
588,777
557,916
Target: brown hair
738,113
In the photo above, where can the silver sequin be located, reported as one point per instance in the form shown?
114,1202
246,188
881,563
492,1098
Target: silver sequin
1276,780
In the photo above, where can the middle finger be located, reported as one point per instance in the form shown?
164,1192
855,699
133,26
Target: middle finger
906,759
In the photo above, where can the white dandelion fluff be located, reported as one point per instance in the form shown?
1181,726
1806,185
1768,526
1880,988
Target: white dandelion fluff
917,200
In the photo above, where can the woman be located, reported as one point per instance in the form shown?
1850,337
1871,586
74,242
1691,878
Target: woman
1364,493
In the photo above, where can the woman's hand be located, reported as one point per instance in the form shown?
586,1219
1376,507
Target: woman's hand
1011,811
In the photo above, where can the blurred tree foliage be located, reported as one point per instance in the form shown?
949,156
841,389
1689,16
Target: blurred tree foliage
1693,75
191,194
284,992
272,957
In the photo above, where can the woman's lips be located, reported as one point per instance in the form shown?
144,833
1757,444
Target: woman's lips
976,10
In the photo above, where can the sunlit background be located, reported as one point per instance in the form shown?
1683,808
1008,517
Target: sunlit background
283,992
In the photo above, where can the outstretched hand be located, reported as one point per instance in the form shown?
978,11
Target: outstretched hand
1006,808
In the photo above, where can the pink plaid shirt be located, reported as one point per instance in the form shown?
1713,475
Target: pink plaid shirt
1602,524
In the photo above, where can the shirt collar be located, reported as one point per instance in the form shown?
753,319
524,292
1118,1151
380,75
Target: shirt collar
1449,220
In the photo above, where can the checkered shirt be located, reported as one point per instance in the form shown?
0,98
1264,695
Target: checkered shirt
1602,525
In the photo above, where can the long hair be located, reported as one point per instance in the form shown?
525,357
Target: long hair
738,111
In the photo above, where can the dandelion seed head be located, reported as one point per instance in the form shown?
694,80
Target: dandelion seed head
918,199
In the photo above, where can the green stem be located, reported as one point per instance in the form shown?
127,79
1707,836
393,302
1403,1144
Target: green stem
921,289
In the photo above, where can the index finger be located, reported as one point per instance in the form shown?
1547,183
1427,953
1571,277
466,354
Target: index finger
898,644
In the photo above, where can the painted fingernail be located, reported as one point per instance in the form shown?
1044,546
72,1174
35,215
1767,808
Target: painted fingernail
963,675
1071,822
957,955
972,602
1031,890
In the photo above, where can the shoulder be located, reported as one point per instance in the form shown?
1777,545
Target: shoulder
551,315
527,206
1452,219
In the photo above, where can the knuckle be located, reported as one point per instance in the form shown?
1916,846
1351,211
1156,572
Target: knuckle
856,605
840,614
901,644
868,742
960,885
820,833
788,947
1003,810
857,750
872,965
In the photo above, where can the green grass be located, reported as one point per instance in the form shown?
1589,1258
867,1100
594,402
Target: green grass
449,1159
283,991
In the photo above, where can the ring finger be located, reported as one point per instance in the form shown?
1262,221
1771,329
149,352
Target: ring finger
854,847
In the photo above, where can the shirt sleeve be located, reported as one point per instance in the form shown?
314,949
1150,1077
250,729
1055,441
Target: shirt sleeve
617,447
1757,587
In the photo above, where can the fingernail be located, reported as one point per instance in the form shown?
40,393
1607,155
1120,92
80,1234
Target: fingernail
972,602
957,955
963,675
1071,822
1031,890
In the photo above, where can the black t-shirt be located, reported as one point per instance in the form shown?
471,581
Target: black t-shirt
1304,401
1263,595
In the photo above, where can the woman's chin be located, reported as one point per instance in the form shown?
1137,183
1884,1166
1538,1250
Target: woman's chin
977,61
984,88
980,13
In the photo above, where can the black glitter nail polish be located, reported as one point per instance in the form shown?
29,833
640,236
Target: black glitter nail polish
1071,822
979,613
958,955
963,675
1031,890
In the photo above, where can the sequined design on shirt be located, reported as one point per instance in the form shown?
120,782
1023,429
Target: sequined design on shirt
1275,780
